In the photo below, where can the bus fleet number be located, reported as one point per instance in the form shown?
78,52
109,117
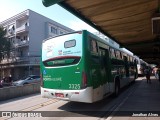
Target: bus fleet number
74,86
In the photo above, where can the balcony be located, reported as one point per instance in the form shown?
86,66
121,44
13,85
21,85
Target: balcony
22,29
21,61
11,31
21,43
7,61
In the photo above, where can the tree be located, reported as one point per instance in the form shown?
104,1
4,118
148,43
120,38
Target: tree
4,44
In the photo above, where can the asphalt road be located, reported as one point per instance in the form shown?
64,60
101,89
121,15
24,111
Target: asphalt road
134,102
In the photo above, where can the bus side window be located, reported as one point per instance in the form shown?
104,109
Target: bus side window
122,55
112,53
94,51
93,46
102,57
118,54
128,58
132,59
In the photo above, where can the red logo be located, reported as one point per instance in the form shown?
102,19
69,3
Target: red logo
60,52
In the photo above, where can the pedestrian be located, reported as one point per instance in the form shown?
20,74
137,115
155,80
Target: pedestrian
158,73
148,74
10,79
1,83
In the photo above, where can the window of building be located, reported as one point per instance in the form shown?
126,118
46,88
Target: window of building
53,30
2,56
18,37
21,53
26,24
25,37
61,32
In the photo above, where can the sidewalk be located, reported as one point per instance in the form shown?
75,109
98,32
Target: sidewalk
143,101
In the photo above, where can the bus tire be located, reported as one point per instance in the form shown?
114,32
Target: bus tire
117,88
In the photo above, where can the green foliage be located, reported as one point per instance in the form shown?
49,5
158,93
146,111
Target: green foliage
4,44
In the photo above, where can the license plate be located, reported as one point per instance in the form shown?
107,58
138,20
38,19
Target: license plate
59,95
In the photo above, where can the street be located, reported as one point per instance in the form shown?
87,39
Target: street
132,101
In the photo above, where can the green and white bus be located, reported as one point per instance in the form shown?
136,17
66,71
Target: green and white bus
82,67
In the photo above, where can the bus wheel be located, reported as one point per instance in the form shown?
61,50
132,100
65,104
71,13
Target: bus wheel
117,89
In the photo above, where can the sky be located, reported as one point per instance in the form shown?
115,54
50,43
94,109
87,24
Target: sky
9,8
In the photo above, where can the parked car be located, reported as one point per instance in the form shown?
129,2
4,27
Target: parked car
30,79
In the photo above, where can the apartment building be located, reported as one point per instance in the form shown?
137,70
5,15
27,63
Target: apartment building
25,31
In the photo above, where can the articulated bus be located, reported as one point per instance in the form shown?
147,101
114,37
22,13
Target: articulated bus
82,67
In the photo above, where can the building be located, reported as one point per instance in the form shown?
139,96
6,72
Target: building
26,31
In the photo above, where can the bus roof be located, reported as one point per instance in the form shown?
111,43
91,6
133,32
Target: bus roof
95,36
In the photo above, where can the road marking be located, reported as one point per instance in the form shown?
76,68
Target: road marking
40,105
116,107
34,107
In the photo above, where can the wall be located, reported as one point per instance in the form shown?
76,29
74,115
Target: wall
18,91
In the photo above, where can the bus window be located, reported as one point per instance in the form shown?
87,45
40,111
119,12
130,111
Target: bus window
94,51
102,58
118,54
131,59
70,43
124,55
93,46
112,53
128,58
